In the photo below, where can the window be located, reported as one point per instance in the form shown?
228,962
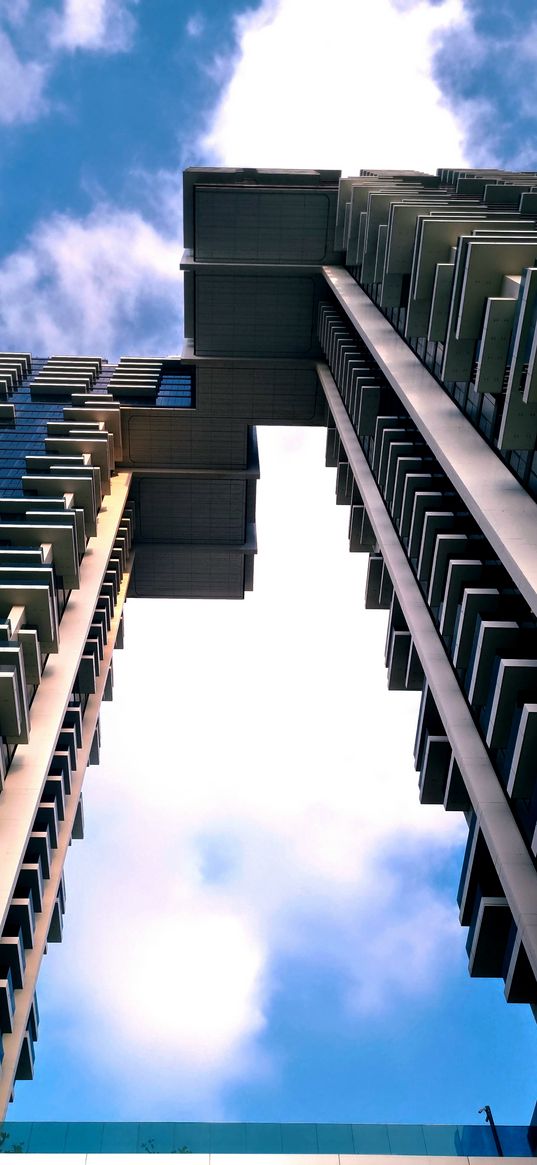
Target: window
176,386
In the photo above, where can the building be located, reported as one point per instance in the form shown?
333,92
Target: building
294,1144
412,301
396,309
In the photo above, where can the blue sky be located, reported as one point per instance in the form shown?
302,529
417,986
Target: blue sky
284,907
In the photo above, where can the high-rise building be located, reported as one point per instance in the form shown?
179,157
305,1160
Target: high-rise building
398,310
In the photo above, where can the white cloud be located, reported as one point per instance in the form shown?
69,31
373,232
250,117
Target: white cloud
350,91
263,813
91,285
492,85
409,953
195,26
196,1003
102,25
106,26
22,84
14,11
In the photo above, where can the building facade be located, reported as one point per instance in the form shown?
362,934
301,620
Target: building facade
287,1144
399,311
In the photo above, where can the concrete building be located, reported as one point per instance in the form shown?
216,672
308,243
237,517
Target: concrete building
399,311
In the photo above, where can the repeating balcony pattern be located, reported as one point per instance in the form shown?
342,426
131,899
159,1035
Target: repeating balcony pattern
136,377
145,380
45,530
14,367
451,260
484,625
63,375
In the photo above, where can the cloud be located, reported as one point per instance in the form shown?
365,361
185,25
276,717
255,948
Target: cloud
103,283
262,815
105,26
14,11
295,100
407,954
22,86
197,1004
486,69
195,26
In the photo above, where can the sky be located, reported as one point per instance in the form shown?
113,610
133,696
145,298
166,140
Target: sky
261,921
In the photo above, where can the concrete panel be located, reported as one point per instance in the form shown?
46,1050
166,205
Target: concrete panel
181,440
495,341
258,314
180,572
258,392
438,317
486,264
191,511
263,225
